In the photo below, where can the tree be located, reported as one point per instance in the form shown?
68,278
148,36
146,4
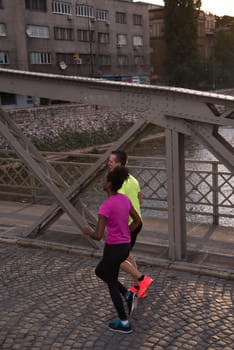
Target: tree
181,24
223,68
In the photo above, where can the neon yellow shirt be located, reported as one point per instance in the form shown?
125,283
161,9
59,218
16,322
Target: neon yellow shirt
131,188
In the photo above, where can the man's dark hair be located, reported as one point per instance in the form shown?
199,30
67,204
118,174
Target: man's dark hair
121,156
117,176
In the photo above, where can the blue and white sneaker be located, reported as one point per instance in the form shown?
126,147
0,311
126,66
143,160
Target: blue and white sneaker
118,326
131,300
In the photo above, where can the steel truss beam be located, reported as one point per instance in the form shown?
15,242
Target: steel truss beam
178,110
214,142
47,175
210,137
176,194
40,168
151,102
73,193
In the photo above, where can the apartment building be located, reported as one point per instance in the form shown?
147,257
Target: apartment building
205,41
95,38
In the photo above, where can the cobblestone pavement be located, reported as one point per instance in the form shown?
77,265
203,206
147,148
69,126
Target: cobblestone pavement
53,300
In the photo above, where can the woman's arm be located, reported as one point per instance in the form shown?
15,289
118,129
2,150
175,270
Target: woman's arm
136,219
98,233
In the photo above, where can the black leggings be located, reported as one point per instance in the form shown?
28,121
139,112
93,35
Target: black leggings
134,235
108,271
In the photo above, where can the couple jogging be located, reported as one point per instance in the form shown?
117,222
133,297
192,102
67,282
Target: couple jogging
120,215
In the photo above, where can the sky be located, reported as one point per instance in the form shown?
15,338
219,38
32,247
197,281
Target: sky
216,7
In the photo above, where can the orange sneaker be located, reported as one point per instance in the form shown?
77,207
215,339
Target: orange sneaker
133,289
142,296
144,286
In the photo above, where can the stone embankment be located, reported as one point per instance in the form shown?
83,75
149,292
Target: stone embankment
49,122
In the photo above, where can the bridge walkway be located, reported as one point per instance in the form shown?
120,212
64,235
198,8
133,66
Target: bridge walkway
210,248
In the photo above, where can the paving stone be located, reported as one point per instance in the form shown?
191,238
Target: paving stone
53,300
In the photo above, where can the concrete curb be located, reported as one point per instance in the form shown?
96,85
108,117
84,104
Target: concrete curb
142,259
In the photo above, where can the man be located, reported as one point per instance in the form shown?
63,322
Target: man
131,188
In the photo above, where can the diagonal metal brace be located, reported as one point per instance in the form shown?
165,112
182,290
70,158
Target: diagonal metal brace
28,147
72,194
39,167
214,142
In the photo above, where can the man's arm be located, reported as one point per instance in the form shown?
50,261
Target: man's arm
139,195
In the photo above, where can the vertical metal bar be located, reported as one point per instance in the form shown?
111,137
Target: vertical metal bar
33,187
176,194
169,165
215,193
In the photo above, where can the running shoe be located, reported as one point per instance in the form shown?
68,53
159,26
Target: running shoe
142,296
144,286
133,289
118,326
131,300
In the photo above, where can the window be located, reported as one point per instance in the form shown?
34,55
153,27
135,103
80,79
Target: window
103,38
157,28
121,40
2,29
39,58
4,57
63,33
7,99
86,35
104,60
102,15
1,4
84,11
120,17
37,32
122,60
137,40
210,24
137,20
36,5
29,100
61,7
139,60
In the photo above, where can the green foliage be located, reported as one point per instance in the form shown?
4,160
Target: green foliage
94,150
8,154
225,21
223,68
218,71
181,23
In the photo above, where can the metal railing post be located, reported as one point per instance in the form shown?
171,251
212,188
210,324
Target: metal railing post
215,193
33,188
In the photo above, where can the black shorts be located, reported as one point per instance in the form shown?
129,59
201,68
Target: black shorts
134,235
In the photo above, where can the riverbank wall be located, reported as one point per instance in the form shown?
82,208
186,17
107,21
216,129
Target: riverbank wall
49,122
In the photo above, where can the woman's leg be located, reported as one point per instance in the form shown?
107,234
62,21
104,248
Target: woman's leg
108,271
130,265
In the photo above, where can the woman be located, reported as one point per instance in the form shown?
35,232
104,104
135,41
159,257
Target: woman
113,215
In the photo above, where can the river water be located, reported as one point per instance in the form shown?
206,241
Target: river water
193,149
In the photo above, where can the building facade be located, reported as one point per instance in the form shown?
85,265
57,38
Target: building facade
95,38
205,41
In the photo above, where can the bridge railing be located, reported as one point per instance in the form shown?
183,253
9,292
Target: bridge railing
208,185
